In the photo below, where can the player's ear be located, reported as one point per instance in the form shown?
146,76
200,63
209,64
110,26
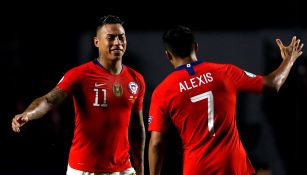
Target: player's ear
96,41
168,55
195,46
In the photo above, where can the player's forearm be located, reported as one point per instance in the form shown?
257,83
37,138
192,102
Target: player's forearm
38,108
137,139
155,155
276,79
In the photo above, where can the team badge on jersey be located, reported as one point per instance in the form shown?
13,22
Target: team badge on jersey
133,87
251,75
117,89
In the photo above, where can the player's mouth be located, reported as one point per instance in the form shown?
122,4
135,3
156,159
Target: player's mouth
117,50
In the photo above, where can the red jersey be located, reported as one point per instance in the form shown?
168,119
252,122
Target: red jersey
103,103
200,100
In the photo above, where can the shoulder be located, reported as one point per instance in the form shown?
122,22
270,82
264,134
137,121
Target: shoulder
134,73
77,72
167,83
215,65
220,67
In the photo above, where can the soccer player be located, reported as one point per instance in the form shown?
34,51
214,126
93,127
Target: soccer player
108,99
199,99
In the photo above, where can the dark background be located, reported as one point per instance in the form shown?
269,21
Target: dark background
39,43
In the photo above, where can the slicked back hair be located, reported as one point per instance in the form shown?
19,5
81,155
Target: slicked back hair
109,19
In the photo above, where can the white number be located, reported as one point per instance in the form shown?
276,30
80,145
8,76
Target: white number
104,104
207,95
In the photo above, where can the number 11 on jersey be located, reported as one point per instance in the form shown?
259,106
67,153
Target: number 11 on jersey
104,104
207,95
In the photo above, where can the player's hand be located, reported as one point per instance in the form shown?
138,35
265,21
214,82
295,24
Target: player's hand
292,51
18,121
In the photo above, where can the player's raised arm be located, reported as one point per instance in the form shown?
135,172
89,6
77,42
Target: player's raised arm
39,107
289,54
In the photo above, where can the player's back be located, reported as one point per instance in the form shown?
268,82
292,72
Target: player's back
200,99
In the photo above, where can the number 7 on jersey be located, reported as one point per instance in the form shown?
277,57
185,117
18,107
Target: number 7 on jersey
207,95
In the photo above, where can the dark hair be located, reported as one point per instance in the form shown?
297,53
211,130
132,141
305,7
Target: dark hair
109,19
179,40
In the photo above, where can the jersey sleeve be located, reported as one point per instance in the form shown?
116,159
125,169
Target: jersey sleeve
158,120
69,81
138,105
244,80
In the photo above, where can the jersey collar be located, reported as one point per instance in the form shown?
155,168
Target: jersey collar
95,61
185,66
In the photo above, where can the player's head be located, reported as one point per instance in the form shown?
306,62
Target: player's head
108,19
179,40
110,38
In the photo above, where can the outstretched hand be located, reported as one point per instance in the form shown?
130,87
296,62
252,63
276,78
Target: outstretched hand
18,121
292,51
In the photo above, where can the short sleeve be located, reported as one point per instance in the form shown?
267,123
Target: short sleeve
244,80
69,81
158,119
138,105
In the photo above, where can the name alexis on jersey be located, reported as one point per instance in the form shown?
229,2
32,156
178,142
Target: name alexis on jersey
195,82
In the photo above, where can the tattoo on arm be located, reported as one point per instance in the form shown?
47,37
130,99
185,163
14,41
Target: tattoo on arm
40,106
56,96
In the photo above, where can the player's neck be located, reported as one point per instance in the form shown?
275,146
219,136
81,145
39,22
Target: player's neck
114,67
181,61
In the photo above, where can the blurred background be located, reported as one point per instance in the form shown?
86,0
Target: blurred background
40,41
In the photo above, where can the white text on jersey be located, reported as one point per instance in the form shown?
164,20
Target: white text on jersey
195,82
